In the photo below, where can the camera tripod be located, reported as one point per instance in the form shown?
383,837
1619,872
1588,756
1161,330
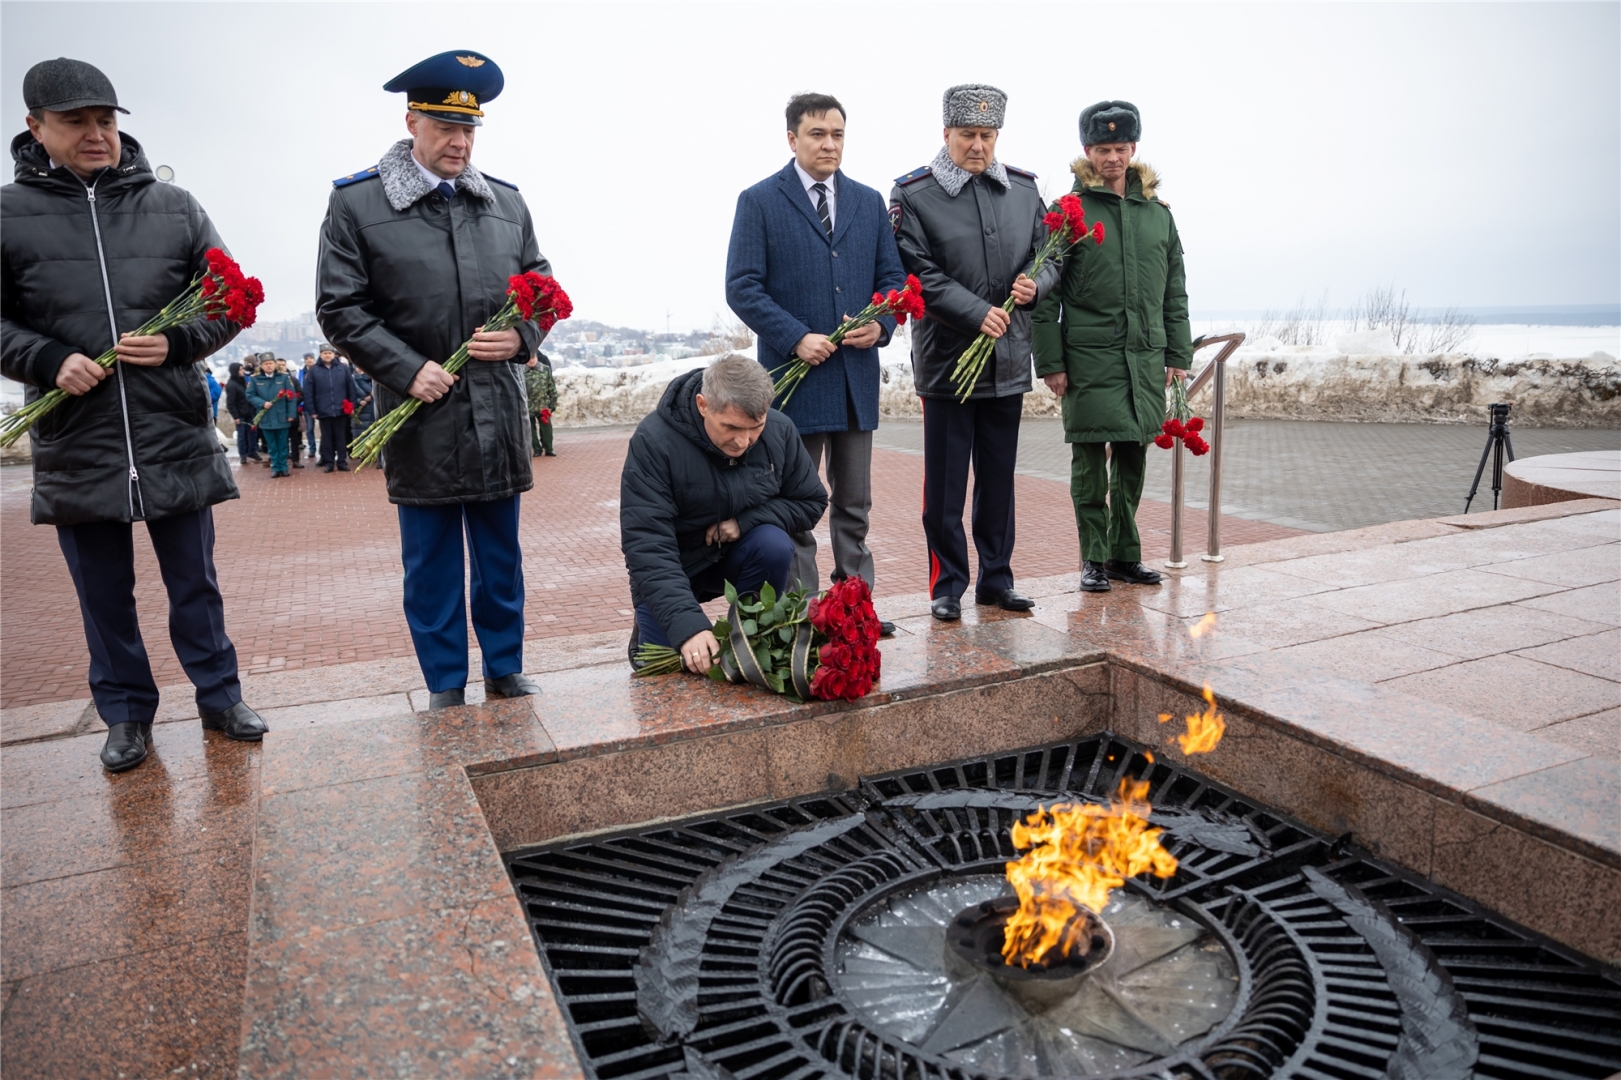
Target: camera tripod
1497,442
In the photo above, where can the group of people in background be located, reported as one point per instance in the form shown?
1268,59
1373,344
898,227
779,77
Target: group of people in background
329,402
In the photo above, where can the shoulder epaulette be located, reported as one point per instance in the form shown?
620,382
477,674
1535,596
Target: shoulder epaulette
914,176
355,178
498,180
1020,172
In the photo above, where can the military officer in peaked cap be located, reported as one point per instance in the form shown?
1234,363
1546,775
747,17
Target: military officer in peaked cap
415,256
968,227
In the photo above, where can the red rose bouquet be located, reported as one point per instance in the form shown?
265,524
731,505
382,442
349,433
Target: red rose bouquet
259,416
1180,423
1066,227
797,645
348,407
902,303
531,297
221,291
545,416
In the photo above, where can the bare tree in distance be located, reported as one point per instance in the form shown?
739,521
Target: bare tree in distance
1384,308
1448,331
1300,325
727,336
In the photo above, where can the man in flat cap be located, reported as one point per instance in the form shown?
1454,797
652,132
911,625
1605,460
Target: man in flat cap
1111,338
968,227
415,256
809,248
93,246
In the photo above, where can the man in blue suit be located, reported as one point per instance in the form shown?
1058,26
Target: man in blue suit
809,248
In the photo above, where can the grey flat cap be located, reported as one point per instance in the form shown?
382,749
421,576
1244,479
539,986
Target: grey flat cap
1110,122
973,105
62,85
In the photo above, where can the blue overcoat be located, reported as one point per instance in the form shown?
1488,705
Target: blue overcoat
785,278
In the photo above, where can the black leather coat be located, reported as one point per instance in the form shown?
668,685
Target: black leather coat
676,483
76,272
967,249
401,285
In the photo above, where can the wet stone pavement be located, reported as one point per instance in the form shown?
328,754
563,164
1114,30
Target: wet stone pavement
332,902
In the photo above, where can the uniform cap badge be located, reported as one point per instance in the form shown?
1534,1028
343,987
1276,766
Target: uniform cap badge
1111,125
984,106
470,61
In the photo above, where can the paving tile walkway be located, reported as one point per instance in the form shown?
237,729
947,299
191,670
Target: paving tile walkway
310,566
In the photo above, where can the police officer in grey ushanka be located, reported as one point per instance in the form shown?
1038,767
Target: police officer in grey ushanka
415,256
969,227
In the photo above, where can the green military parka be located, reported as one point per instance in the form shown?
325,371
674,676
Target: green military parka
1119,317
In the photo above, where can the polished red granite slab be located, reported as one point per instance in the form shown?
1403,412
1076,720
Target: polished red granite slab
332,903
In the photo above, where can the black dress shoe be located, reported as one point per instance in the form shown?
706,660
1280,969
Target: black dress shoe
1093,577
551,453
886,628
343,466
946,609
327,468
238,722
515,685
1006,599
1134,572
298,465
447,699
126,745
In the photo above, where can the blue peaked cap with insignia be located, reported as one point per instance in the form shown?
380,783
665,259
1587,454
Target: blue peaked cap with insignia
453,86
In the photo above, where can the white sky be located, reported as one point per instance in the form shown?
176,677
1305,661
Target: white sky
1471,153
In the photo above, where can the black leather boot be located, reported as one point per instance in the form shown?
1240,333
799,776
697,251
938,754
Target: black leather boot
1006,599
238,722
1093,577
1133,572
447,699
126,745
515,685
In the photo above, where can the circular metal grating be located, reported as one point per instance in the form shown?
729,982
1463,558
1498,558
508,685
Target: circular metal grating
806,939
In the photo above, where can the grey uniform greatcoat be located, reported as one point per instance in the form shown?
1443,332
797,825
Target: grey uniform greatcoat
966,249
405,277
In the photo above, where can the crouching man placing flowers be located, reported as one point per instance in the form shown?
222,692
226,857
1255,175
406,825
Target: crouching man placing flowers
715,484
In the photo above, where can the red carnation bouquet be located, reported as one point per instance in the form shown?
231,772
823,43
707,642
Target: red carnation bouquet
1066,227
902,303
545,416
1180,423
531,297
258,417
348,407
221,291
797,645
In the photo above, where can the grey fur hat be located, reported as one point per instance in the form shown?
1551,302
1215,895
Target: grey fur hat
1110,122
974,105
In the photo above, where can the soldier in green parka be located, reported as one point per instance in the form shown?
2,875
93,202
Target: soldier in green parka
1109,340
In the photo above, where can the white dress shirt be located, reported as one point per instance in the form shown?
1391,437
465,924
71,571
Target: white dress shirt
433,178
832,192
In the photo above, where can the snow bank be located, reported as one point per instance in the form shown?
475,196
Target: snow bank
1360,378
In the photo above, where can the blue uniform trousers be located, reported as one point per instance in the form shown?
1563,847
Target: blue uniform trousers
431,548
985,433
765,553
101,560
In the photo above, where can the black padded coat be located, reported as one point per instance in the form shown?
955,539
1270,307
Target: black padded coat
76,271
398,287
967,249
676,483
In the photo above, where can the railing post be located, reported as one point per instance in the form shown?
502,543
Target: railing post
1218,414
1176,561
1217,370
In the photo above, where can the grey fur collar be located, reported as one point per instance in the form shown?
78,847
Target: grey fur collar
954,178
404,183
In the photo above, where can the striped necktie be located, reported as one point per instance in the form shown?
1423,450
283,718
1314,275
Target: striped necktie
821,207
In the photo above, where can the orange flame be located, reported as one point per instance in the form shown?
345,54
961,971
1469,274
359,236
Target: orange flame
1205,729
1077,854
1204,625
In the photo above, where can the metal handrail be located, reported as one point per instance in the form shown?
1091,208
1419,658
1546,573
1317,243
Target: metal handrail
1217,370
